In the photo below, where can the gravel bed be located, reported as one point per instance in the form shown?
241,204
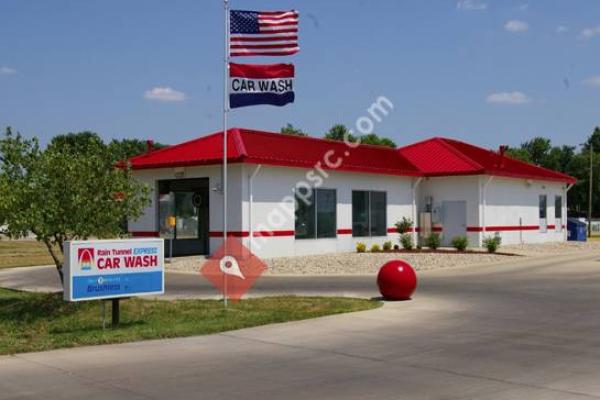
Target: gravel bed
369,263
544,249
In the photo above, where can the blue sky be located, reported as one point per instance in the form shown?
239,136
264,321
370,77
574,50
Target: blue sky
487,71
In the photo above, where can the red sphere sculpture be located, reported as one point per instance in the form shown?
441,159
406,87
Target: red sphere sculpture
397,280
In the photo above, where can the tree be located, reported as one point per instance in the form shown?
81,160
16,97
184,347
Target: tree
373,138
538,149
518,153
593,139
559,158
120,150
124,149
69,191
289,129
339,132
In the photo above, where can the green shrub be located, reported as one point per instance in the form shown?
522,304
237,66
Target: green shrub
491,243
375,248
433,241
361,247
460,243
404,225
406,241
387,246
396,247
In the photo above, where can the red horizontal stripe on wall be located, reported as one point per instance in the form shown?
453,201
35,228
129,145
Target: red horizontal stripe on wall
144,234
344,231
417,229
505,228
551,226
247,233
273,233
229,234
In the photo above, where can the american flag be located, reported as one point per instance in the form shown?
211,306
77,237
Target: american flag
263,33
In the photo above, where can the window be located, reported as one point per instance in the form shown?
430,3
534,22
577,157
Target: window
369,213
558,207
316,213
558,214
543,202
360,213
378,214
543,205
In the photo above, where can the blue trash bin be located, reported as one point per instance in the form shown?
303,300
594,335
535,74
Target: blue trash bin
577,230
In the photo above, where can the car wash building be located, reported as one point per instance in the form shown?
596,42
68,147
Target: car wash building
291,195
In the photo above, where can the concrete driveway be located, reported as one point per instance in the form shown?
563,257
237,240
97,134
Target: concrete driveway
501,332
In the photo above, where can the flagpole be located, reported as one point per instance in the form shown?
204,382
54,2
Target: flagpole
225,110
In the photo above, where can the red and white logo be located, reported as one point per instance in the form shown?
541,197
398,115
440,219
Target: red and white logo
85,258
233,269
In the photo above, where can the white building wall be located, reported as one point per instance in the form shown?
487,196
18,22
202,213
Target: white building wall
273,209
513,206
510,202
451,188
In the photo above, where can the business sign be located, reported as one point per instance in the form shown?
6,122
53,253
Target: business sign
105,269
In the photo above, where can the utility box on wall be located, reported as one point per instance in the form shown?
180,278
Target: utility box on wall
425,225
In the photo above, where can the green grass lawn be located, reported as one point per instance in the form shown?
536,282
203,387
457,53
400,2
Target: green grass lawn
35,322
23,253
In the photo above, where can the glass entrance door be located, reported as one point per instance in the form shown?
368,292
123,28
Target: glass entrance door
187,201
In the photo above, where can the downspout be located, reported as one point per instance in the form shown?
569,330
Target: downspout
415,184
564,213
483,207
251,200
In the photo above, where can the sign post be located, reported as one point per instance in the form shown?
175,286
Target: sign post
113,269
116,312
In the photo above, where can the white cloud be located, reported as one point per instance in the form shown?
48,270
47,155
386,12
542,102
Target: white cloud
471,5
7,71
592,81
165,94
514,98
516,26
589,33
562,29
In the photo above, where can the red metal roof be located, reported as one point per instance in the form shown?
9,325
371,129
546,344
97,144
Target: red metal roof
259,147
432,157
442,157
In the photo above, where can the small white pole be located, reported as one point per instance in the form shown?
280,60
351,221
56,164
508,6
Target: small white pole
225,110
250,204
521,230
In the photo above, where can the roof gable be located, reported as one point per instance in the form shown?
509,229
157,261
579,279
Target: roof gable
436,157
442,156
